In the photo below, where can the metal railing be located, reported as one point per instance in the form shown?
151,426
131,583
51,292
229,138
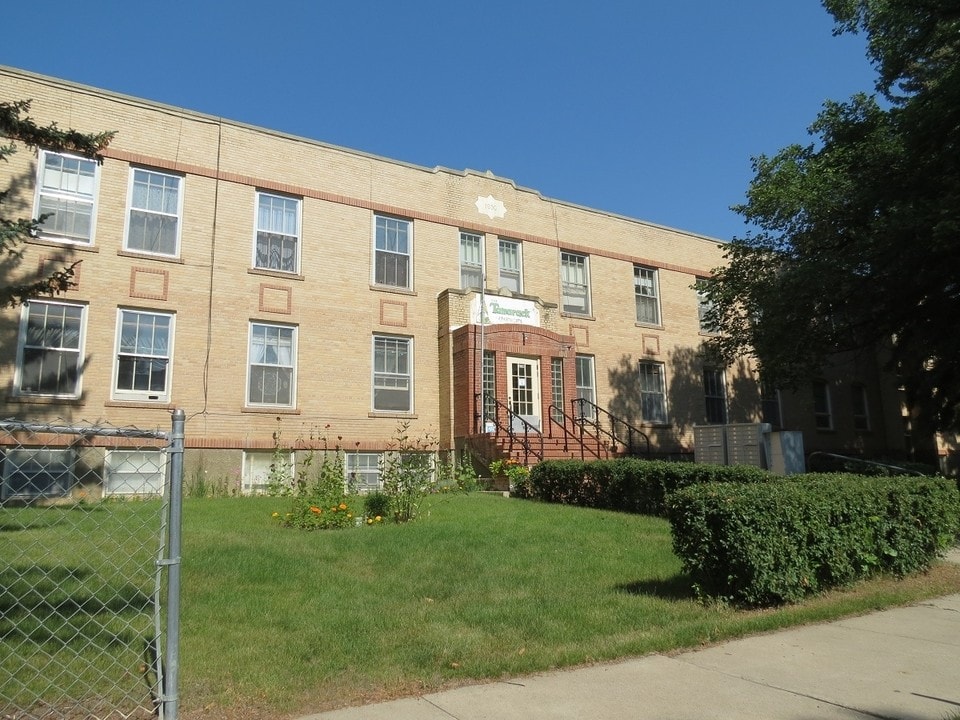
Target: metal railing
528,440
564,423
620,434
89,535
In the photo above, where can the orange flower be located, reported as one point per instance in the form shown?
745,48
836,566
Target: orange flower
315,510
343,506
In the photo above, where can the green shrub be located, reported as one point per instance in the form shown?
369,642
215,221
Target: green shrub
628,484
376,504
766,544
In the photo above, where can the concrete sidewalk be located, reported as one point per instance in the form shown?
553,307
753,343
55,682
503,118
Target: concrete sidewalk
902,663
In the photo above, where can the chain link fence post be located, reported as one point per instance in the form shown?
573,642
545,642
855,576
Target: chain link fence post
175,489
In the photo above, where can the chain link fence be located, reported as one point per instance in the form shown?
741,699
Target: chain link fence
87,529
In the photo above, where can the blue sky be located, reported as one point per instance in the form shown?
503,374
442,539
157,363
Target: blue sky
647,109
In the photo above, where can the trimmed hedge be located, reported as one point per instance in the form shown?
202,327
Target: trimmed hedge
628,484
767,544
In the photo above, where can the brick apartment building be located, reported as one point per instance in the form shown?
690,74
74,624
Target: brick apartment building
245,275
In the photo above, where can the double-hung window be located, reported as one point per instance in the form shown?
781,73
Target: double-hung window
66,195
653,397
575,283
770,405
586,387
511,273
156,202
272,365
556,389
392,374
50,349
861,409
144,351
393,246
822,406
704,308
647,288
278,233
471,260
715,396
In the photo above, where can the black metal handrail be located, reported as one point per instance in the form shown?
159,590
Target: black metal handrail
568,422
580,406
530,441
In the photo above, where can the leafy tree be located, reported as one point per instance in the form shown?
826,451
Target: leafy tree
16,126
856,240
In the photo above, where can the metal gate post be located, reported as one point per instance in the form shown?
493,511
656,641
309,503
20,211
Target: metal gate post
170,675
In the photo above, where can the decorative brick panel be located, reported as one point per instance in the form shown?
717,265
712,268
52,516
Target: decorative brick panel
149,283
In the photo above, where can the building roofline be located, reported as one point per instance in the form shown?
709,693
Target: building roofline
437,169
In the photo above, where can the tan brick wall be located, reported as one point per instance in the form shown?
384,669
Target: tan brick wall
215,294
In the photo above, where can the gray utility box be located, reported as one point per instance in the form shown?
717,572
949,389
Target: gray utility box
749,444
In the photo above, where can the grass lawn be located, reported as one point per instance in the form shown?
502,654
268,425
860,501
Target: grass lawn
279,622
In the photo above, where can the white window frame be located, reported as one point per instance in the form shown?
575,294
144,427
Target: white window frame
165,214
385,238
67,193
586,384
557,395
23,346
703,306
141,354
822,405
860,407
267,362
770,408
646,287
574,273
383,379
715,395
255,466
648,371
509,276
55,464
118,465
471,259
359,467
272,209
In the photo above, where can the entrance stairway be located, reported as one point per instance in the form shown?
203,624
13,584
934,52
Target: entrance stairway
588,432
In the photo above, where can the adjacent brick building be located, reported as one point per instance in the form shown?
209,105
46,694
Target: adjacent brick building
266,282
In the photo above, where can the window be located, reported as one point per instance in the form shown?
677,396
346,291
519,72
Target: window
471,260
586,387
704,306
489,387
362,471
653,398
715,395
66,191
272,363
392,251
278,233
392,374
511,274
30,473
262,468
556,389
575,283
134,472
822,408
154,222
144,349
647,287
770,405
50,349
861,412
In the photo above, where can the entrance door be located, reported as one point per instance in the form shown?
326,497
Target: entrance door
524,400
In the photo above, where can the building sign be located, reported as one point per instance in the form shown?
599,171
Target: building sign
491,207
503,310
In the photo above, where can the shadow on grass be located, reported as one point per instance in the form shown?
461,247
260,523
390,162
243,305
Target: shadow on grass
678,587
23,515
